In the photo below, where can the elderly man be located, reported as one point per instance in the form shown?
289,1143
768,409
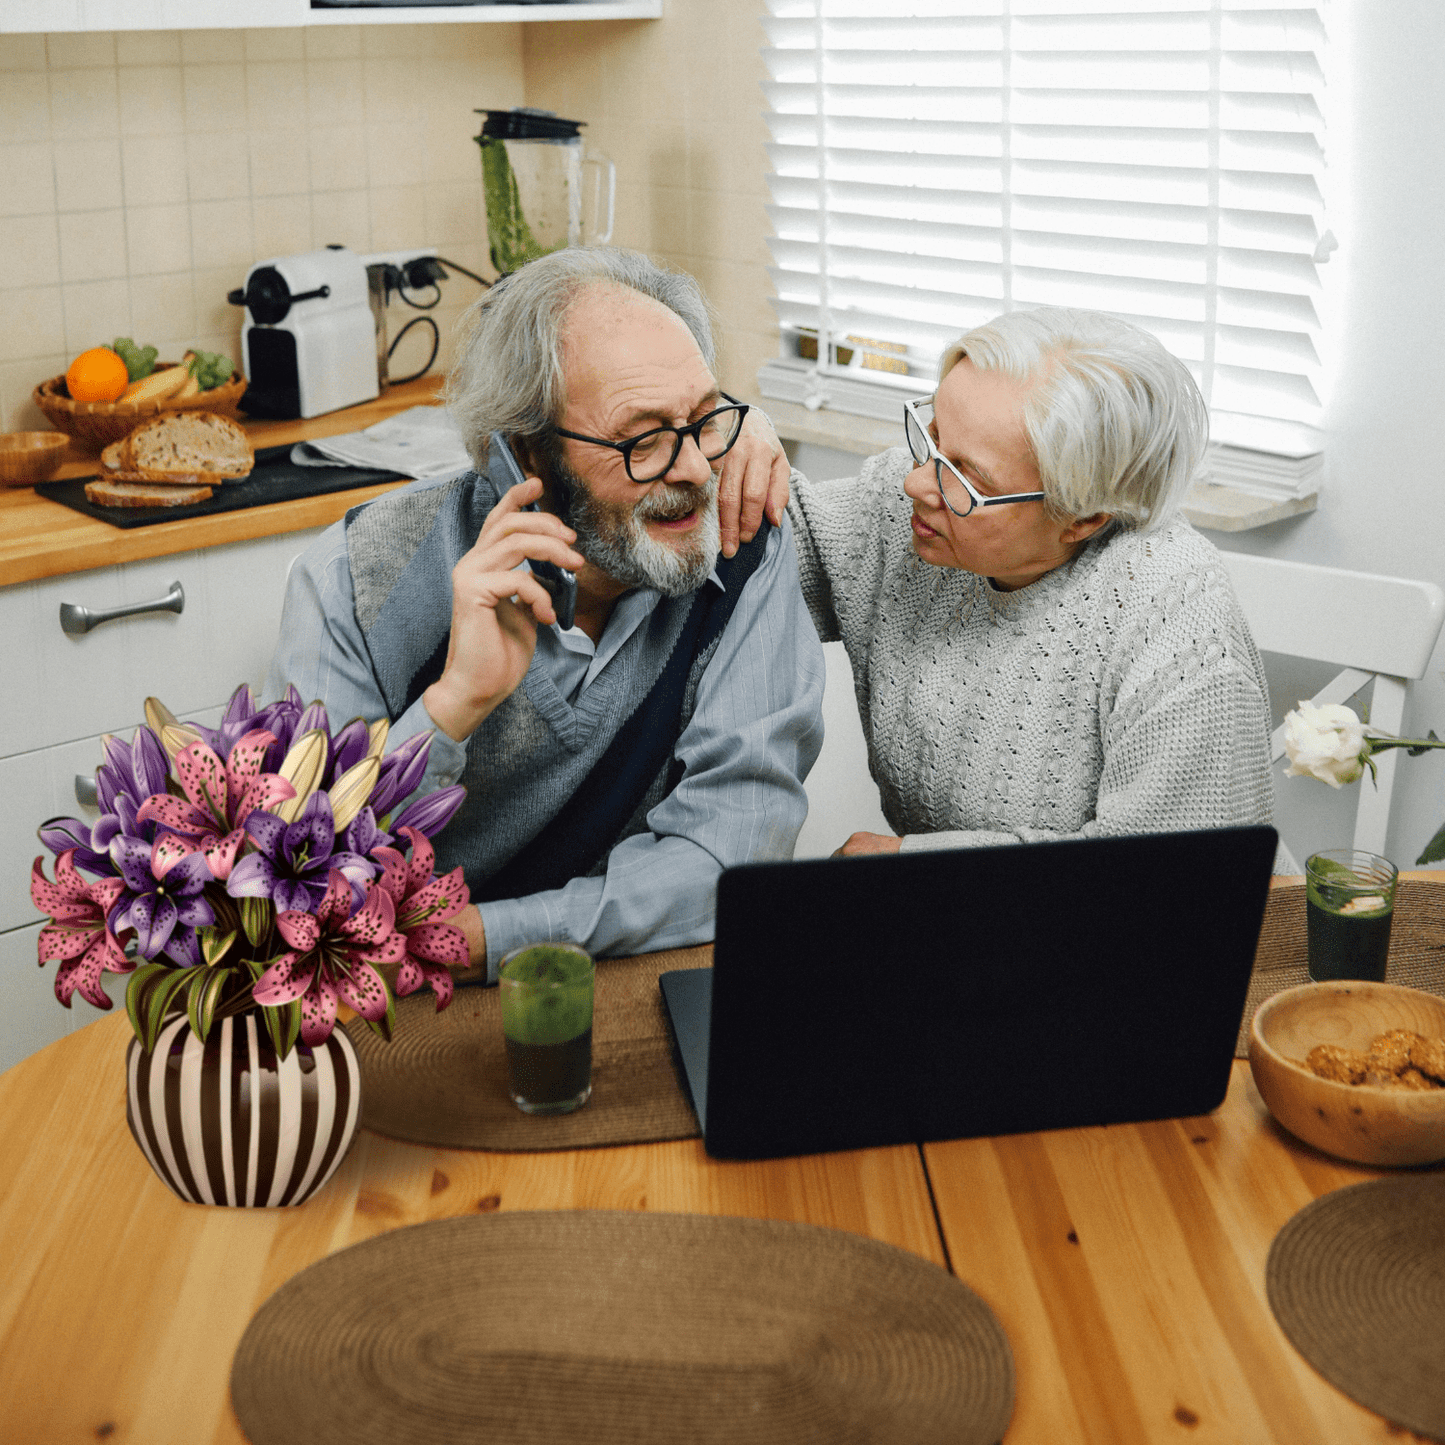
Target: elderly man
613,767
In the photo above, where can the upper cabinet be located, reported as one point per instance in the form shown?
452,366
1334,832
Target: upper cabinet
52,15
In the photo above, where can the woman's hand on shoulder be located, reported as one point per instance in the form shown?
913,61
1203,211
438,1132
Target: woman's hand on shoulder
753,482
861,843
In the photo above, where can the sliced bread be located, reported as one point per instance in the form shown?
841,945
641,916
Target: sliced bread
109,493
187,441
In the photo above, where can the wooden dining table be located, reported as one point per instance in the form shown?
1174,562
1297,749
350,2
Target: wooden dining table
1126,1264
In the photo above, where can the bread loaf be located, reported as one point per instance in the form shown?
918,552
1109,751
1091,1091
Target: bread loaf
109,493
186,442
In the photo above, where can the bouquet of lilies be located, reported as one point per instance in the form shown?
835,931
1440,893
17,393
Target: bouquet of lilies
256,865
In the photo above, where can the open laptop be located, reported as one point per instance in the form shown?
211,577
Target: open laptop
857,1002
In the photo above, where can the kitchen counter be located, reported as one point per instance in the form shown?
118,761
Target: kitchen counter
40,538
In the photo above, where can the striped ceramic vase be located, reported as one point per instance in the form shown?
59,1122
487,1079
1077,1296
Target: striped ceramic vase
225,1122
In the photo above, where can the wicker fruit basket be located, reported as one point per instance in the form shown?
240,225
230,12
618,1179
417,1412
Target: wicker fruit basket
96,424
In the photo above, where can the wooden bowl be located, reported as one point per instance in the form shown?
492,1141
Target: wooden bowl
1361,1123
96,424
27,457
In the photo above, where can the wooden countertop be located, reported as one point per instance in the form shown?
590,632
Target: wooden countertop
40,538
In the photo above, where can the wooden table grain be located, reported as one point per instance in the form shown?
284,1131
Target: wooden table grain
1126,1264
121,1307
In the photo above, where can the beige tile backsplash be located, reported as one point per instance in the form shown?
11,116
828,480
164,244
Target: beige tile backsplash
142,173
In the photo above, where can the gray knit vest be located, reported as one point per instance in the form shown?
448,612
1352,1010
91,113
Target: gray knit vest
529,757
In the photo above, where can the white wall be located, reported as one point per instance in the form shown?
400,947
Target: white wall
1381,508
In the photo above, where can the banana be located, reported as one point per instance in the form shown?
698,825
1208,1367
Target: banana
191,387
157,386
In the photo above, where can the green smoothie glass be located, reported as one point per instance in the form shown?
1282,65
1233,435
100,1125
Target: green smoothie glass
1349,906
546,993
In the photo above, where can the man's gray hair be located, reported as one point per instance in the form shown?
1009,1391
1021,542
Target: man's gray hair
508,375
1115,421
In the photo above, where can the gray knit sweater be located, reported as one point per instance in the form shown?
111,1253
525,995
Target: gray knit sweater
1120,693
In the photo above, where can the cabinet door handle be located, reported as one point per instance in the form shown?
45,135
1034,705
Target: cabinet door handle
86,793
78,620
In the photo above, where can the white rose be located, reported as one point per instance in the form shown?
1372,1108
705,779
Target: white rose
1325,743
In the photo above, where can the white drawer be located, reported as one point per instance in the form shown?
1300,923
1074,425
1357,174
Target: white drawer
30,1014
41,785
59,687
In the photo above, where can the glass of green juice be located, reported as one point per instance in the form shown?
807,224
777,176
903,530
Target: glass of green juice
1349,905
546,993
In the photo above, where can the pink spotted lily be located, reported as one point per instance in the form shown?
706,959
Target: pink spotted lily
219,797
78,934
422,903
331,957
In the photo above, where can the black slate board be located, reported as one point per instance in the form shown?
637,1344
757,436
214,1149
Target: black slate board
275,479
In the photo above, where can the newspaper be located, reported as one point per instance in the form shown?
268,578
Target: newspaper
421,442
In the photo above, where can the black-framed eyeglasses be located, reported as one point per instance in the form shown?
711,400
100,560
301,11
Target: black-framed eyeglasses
651,454
958,493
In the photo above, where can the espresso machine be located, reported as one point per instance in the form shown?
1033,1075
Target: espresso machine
314,337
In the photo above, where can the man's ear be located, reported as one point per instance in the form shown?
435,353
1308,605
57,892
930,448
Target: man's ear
1082,528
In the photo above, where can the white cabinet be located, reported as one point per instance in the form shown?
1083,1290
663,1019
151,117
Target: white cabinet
17,16
61,692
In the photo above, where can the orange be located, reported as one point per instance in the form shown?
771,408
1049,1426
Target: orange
97,375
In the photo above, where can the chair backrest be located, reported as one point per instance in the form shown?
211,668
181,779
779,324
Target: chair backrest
1371,626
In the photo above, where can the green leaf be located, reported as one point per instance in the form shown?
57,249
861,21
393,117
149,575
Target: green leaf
386,1025
214,943
202,997
256,919
1434,849
158,1003
135,996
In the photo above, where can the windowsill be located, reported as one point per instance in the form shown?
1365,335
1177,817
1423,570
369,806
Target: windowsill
1229,509
1209,506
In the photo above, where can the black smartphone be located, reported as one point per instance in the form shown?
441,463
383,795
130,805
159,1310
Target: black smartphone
561,584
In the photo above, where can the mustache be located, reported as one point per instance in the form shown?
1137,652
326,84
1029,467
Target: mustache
668,502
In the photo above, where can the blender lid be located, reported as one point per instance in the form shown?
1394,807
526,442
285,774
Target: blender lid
526,123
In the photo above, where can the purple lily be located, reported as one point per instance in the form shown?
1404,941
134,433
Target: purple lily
129,774
401,774
430,814
164,880
293,860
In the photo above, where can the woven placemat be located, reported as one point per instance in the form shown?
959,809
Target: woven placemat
622,1329
1417,945
443,1078
1357,1282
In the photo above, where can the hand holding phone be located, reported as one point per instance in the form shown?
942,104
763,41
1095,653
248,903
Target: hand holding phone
561,584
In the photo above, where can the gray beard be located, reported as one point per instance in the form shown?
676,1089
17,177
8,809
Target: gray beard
615,539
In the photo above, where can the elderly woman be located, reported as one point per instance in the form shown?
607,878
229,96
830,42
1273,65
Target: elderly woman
1042,648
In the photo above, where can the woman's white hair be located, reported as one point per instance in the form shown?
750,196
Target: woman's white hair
1115,421
508,375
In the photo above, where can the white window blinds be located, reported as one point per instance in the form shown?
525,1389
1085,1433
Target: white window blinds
936,162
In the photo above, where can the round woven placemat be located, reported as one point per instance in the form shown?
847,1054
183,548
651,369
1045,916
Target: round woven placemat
622,1329
1417,945
443,1077
1357,1281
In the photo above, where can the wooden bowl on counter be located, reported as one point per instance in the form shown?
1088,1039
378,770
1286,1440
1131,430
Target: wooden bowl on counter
96,424
1358,1122
27,457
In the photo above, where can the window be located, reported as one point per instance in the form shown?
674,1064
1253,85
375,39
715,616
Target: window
936,162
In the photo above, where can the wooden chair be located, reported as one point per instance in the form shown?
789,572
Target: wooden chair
1373,627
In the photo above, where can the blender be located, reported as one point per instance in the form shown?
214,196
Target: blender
543,189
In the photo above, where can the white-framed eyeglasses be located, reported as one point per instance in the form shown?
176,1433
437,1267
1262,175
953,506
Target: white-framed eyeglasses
958,493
